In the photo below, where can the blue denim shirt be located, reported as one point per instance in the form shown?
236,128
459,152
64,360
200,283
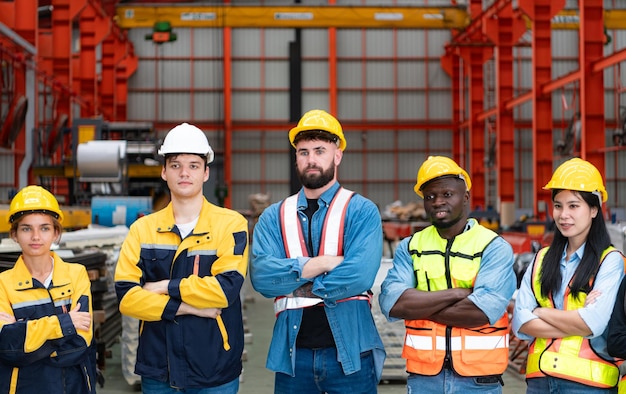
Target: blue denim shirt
596,315
493,288
273,274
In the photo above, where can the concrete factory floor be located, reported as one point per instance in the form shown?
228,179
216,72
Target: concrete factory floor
256,378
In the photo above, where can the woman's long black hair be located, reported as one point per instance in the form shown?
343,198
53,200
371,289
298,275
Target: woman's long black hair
598,240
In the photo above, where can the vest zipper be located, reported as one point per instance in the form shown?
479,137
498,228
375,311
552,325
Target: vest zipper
447,362
447,263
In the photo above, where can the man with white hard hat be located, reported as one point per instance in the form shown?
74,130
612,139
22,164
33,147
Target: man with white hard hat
180,272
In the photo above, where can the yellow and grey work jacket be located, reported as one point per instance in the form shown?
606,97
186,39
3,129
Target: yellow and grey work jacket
441,264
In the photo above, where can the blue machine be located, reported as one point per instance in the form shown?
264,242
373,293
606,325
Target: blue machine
119,210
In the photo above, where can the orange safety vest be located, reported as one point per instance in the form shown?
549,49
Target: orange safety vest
295,245
572,358
478,351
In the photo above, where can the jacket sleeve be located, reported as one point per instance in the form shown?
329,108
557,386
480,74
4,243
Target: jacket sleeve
273,274
222,288
398,279
134,301
363,250
616,340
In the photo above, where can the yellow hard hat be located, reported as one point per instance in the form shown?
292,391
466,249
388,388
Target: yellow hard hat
318,119
34,199
438,166
580,175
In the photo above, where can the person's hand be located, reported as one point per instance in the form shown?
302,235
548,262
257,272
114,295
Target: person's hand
81,320
186,309
159,287
211,313
332,262
7,318
592,297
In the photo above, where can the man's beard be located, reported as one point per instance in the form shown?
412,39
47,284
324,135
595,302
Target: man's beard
315,181
446,225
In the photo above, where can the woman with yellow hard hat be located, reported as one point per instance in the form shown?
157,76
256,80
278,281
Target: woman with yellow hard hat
46,328
568,292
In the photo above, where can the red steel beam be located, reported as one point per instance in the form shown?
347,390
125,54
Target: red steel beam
505,31
591,49
540,13
227,43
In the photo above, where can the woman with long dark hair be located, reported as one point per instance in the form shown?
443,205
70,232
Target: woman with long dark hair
567,293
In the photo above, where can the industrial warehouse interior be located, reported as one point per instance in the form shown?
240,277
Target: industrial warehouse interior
508,89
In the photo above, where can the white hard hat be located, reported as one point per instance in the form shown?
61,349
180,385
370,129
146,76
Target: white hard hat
186,138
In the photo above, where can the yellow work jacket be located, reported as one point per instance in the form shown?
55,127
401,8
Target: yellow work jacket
572,358
441,264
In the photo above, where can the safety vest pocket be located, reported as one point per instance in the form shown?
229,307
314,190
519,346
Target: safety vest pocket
422,344
463,275
483,349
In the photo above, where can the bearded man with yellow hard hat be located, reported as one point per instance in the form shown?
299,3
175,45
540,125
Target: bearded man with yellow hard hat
317,254
451,283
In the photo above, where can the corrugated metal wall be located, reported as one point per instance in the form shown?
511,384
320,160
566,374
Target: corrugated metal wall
389,80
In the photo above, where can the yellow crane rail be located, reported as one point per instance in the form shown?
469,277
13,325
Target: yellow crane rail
135,16
294,16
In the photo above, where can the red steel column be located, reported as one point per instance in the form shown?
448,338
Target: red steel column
591,44
61,51
93,28
541,12
475,56
451,64
107,83
228,120
505,31
26,27
124,69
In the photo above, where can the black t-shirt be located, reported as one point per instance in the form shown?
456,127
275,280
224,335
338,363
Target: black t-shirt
314,331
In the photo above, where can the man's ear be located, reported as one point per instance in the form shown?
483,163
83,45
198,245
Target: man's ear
338,156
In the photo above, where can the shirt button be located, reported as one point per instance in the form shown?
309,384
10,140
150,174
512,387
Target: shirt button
295,327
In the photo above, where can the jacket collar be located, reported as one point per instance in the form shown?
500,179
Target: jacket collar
166,222
326,198
22,278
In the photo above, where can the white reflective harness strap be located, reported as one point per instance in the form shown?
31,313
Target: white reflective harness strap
332,236
293,239
283,303
331,242
422,342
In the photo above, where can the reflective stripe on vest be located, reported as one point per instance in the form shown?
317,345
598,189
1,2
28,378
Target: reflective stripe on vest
477,351
295,244
572,357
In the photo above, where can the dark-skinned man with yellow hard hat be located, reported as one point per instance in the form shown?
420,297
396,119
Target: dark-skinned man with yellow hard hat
451,283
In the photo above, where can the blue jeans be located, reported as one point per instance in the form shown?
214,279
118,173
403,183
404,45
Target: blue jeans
549,385
318,371
450,382
151,386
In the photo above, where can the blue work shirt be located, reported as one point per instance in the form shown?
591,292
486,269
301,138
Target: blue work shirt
596,315
273,274
493,288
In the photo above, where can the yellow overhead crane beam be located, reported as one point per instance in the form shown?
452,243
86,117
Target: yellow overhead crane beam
134,16
569,20
293,16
